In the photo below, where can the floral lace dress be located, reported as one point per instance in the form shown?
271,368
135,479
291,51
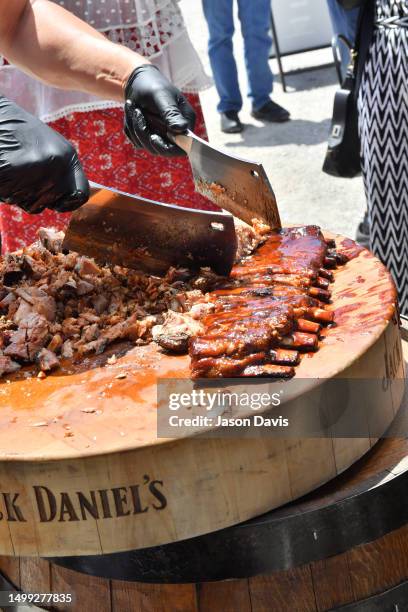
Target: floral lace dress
154,28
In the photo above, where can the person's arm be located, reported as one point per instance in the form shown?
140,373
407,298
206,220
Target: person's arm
56,47
53,45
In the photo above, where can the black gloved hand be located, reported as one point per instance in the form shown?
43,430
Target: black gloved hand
38,167
154,107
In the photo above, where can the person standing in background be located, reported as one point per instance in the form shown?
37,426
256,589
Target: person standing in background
254,17
383,124
345,22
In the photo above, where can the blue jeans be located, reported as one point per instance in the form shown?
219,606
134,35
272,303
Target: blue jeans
343,22
254,16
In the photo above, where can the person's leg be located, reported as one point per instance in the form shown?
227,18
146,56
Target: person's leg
255,23
343,22
384,152
219,16
363,231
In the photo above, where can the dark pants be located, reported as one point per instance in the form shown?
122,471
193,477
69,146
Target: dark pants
343,22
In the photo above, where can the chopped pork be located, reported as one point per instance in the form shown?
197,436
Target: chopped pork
249,237
47,360
176,330
56,305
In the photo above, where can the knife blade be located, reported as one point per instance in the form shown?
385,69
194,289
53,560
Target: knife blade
237,185
135,232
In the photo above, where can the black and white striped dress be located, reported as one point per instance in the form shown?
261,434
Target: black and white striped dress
383,119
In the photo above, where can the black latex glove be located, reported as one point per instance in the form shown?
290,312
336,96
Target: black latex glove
153,107
38,167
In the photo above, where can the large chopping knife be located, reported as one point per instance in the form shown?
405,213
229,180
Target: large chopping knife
131,231
234,184
137,233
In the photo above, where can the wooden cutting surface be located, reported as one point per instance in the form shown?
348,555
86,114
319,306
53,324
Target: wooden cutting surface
88,410
83,472
376,564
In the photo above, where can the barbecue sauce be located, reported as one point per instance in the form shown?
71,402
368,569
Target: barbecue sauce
258,308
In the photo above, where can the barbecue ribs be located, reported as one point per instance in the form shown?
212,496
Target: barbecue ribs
57,306
270,310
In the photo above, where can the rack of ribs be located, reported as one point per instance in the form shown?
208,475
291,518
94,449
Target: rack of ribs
270,310
62,306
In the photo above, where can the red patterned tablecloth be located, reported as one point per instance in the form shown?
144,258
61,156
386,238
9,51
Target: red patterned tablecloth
109,159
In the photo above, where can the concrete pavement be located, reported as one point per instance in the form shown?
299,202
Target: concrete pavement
292,153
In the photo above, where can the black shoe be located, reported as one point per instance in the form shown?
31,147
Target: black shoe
230,123
271,112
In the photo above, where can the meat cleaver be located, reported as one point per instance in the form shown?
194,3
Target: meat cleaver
137,233
237,185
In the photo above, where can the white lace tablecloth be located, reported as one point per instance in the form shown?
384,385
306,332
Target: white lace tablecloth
153,28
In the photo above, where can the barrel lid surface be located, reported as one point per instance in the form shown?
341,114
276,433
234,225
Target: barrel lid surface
82,471
91,411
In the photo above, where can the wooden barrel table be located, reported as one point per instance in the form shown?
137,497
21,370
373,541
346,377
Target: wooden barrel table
129,521
83,471
342,547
